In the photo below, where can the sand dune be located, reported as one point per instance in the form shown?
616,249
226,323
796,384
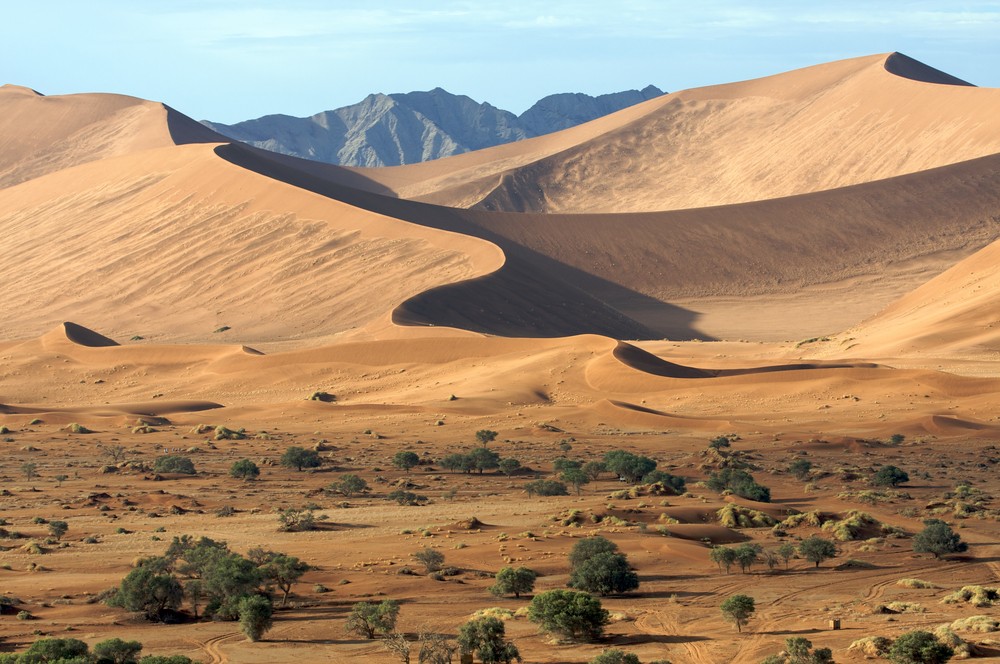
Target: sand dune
292,237
40,134
174,243
956,314
818,128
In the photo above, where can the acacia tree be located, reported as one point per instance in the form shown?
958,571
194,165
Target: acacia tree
486,638
148,590
431,559
588,547
405,460
572,615
485,436
368,619
738,609
244,469
816,549
723,556
938,538
510,580
299,458
890,476
604,573
348,485
278,569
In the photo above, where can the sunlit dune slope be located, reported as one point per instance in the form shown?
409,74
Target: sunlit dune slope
812,129
175,243
40,134
956,314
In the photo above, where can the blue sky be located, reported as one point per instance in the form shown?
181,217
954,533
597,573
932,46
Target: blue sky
230,60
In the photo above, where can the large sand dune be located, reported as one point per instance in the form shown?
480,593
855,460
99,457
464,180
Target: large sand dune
812,129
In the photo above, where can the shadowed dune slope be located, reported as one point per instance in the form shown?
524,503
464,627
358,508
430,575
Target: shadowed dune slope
818,128
621,275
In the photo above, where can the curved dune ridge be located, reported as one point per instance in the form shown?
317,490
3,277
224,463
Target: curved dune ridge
143,236
818,128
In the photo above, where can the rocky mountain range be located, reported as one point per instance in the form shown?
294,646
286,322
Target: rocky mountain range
396,129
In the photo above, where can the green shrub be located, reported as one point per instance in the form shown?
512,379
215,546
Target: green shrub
568,614
255,613
299,458
546,488
172,463
244,469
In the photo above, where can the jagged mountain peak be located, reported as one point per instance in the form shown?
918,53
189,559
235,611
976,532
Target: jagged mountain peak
405,128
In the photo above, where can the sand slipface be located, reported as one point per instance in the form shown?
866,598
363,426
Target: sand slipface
171,293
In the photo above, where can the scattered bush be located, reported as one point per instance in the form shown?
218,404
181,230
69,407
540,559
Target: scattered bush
872,646
348,485
325,397
939,539
222,433
979,596
889,476
976,624
546,488
735,516
919,647
431,559
914,583
172,463
739,482
800,468
851,527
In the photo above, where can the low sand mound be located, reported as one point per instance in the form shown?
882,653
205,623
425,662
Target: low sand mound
706,533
